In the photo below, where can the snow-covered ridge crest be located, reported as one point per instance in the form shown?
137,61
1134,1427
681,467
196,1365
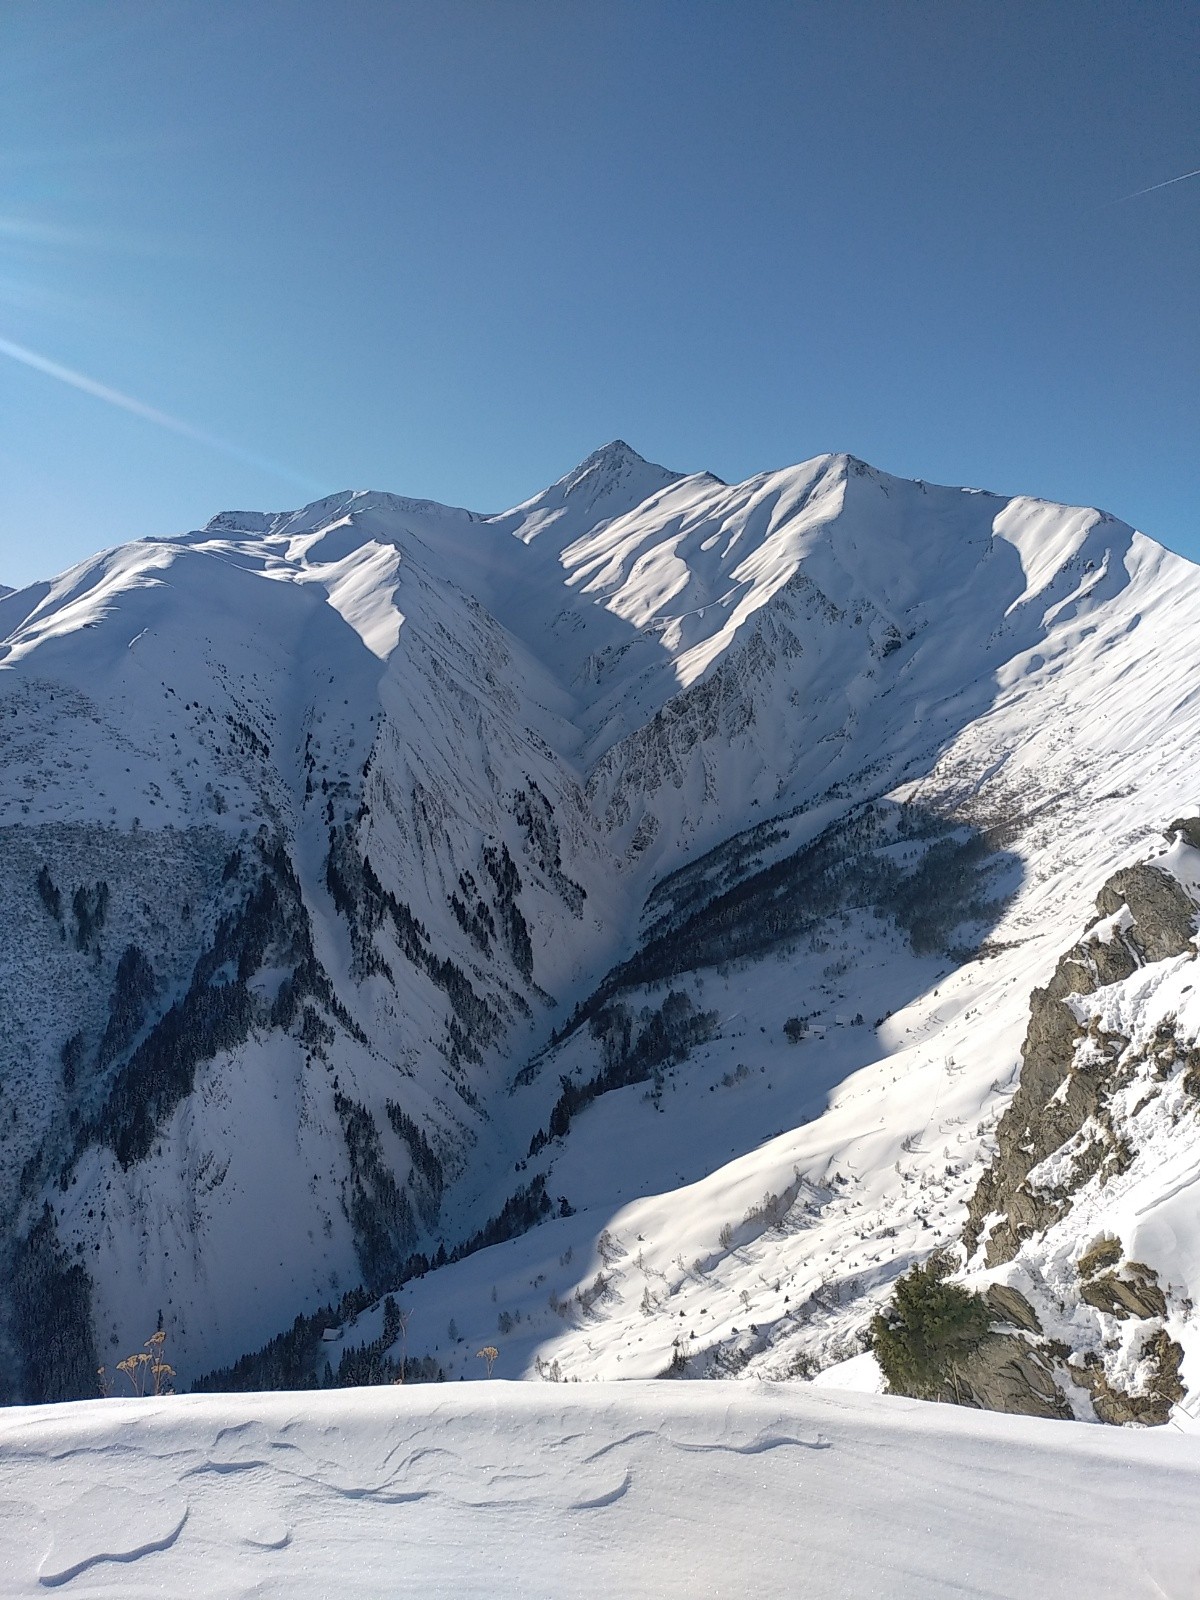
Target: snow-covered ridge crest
328,510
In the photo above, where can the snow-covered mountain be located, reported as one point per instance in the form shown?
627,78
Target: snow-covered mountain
610,924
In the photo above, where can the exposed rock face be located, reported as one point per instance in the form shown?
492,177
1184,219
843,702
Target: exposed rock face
1137,1295
1073,1127
1163,916
1063,1089
1008,1373
1018,1369
1152,1407
1013,1368
1010,1305
1132,1291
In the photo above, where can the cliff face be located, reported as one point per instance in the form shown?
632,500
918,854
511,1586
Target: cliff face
1074,1230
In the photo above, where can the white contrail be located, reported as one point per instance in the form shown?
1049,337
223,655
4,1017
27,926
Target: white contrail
126,402
1165,184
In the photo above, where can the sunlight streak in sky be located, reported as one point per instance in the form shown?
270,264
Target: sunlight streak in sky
114,397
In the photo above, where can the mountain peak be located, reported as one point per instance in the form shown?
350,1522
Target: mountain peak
615,452
608,465
612,480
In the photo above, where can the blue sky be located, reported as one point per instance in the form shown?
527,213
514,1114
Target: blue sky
449,248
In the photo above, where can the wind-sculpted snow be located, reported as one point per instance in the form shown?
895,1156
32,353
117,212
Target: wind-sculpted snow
519,1491
527,786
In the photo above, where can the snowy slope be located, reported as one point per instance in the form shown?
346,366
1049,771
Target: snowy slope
636,1491
864,1144
409,814
185,708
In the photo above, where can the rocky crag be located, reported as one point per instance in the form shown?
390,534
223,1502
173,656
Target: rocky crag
1069,1234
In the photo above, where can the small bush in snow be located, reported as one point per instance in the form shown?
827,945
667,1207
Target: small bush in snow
929,1325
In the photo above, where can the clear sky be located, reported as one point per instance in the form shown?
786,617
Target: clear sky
449,248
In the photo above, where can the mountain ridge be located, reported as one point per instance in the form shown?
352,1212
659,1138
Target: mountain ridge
420,772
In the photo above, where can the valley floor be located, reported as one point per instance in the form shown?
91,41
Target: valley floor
618,1490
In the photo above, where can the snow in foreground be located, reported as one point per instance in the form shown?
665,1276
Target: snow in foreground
604,1489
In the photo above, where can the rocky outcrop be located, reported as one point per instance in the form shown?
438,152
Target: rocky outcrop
1011,1306
1128,1290
1064,1088
1163,915
1135,1295
1162,1389
1013,1368
1071,1128
1007,1372
939,1341
1017,1368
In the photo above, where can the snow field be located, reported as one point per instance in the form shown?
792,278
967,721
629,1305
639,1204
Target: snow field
528,1492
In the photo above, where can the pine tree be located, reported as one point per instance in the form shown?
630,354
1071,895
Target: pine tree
930,1325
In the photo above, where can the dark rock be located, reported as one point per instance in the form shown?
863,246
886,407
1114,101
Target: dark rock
1151,1409
1063,1091
1164,918
1007,1373
1039,1121
1136,1294
1056,1096
1010,1305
